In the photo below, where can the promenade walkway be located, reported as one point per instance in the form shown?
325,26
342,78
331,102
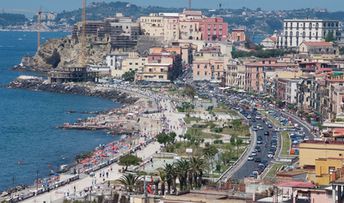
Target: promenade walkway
173,122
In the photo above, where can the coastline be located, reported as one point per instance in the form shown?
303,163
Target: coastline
124,120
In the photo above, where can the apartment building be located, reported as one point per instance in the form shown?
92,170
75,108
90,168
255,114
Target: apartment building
209,64
296,31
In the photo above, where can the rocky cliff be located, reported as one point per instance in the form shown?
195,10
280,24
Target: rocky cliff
63,52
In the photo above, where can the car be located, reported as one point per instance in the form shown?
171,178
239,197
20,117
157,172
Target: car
254,153
257,159
250,158
270,155
259,142
266,133
255,129
269,126
258,148
258,117
254,174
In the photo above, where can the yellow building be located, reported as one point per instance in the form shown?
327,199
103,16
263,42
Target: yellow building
325,170
310,151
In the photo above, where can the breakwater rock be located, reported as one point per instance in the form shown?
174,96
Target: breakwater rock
87,89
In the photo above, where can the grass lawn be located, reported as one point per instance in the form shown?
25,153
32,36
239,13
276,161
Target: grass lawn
224,109
189,119
273,170
180,149
286,144
198,133
243,131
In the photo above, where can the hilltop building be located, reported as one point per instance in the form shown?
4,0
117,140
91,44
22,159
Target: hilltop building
296,31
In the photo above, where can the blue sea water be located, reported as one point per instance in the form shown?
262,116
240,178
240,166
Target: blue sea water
28,119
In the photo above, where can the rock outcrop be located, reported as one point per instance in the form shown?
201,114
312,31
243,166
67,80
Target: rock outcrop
64,52
38,84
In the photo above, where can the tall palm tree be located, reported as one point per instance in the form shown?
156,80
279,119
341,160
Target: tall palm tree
171,175
182,167
197,166
129,181
162,176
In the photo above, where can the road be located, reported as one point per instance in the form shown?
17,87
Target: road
238,101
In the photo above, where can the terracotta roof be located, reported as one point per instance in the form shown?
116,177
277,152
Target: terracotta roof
318,44
296,184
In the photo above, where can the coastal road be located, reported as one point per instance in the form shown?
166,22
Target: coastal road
58,195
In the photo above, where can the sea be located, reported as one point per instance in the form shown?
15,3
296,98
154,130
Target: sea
30,141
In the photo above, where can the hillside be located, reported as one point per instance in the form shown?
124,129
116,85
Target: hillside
101,10
7,19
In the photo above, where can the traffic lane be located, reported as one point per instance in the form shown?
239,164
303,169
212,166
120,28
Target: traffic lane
305,129
250,166
293,120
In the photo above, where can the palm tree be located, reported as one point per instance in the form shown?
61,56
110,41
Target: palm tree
182,167
162,176
129,181
170,177
197,166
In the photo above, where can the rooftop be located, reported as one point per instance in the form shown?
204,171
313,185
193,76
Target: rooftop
318,44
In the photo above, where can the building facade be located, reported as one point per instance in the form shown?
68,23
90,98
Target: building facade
296,31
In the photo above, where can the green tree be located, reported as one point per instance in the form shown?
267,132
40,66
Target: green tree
237,142
166,139
129,181
171,176
163,176
197,166
182,168
177,68
129,160
210,151
129,76
189,91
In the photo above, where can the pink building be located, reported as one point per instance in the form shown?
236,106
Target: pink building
214,29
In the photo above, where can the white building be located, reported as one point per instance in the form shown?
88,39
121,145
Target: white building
291,91
296,31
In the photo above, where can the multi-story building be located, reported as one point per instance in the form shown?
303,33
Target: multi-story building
238,35
188,25
296,31
337,101
318,48
310,151
160,64
304,93
260,75
152,25
214,29
209,64
154,72
235,75
291,91
115,62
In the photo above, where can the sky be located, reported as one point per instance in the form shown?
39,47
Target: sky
31,6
